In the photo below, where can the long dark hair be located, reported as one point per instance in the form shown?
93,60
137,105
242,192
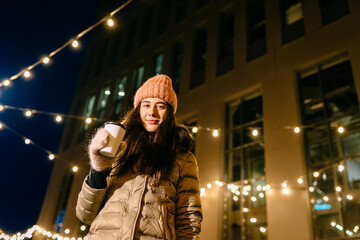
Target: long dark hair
152,153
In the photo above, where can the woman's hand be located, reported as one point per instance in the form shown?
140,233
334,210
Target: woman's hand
98,161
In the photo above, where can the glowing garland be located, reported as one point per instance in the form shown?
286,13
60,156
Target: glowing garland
26,72
30,232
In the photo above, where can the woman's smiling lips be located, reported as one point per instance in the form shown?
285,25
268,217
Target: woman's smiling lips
152,121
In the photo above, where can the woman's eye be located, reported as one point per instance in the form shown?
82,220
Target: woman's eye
161,107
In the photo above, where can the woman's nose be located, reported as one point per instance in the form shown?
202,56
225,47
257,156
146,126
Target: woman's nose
153,111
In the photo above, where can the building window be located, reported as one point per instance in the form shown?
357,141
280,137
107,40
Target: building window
158,64
199,57
226,43
101,52
256,25
163,18
130,38
62,202
103,100
119,96
177,64
88,110
332,10
329,104
146,27
245,168
292,20
114,49
138,77
181,10
201,3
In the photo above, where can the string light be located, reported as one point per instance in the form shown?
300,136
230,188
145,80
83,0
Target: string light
300,180
296,129
1,125
255,132
341,168
209,185
75,43
27,141
262,229
88,120
340,129
1,108
75,169
28,113
194,129
110,22
338,189
46,60
58,119
6,83
27,74
316,174
215,133
51,156
82,228
350,197
253,220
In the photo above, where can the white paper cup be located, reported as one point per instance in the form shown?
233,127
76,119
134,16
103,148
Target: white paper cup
116,135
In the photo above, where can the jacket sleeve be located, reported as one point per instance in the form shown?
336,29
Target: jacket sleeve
188,203
89,202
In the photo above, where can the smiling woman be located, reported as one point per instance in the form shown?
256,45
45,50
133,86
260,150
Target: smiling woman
150,189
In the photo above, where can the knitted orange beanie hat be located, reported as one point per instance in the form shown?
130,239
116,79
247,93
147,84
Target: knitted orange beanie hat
159,86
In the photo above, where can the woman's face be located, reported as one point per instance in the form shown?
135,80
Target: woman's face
152,113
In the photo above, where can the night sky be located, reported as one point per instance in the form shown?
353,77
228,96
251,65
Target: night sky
28,31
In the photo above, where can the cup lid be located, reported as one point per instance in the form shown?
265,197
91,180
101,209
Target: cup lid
115,123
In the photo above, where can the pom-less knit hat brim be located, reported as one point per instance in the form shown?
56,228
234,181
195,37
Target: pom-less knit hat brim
160,87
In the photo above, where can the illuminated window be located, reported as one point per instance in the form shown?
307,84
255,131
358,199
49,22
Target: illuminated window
292,20
119,95
103,101
158,64
89,108
328,99
244,160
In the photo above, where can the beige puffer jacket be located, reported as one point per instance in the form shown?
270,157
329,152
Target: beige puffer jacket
135,208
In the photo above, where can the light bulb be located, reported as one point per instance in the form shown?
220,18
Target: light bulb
27,74
340,130
316,174
202,191
75,169
1,126
209,185
255,132
235,198
58,118
51,156
110,22
245,209
262,229
194,129
285,190
107,92
349,197
82,228
28,113
27,141
326,198
88,120
311,189
300,180
67,231
1,108
338,189
46,60
341,168
253,220
6,83
284,184
296,129
215,133
75,44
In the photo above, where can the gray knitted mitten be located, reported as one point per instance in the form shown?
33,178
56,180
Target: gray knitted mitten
97,160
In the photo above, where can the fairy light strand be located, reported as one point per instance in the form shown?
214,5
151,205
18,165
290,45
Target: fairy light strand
8,81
